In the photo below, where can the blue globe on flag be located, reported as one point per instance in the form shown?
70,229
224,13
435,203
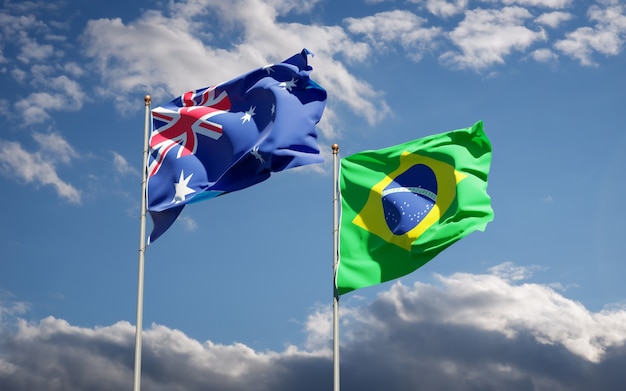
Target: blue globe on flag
409,198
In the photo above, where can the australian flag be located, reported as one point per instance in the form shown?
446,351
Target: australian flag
230,136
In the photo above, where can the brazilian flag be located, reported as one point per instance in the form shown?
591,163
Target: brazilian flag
403,205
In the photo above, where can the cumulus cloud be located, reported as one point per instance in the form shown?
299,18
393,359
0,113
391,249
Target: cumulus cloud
485,37
553,19
63,94
12,25
445,8
467,332
387,28
555,4
39,64
39,167
606,37
55,147
189,223
34,51
543,55
121,164
4,108
9,307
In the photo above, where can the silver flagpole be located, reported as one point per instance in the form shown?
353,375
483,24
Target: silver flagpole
335,264
142,247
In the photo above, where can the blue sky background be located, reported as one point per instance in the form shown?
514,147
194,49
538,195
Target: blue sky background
238,292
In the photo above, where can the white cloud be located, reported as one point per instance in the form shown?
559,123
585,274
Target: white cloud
71,89
509,272
41,65
469,332
555,4
6,368
9,308
485,37
55,147
64,95
12,26
189,223
34,51
512,309
606,37
296,6
73,69
445,8
5,108
553,19
500,302
38,167
35,108
56,355
543,55
19,74
386,28
319,329
121,165
581,44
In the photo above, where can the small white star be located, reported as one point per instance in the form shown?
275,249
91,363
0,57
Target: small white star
182,190
248,114
273,109
268,68
257,155
288,84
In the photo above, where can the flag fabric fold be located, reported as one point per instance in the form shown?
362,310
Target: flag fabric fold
230,136
401,206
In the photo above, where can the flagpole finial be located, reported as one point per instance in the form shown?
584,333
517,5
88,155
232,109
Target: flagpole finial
335,148
147,99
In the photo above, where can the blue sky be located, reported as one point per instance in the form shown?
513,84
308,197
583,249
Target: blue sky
238,292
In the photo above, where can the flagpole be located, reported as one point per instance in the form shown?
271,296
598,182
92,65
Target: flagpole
142,247
335,264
